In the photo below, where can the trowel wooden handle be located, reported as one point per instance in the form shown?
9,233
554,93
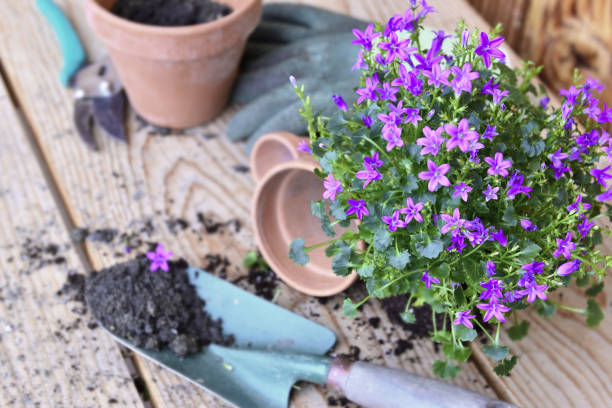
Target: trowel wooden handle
374,386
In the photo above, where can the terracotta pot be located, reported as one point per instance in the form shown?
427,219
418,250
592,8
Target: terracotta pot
176,77
286,185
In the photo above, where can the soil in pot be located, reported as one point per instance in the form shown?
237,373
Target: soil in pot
153,310
170,12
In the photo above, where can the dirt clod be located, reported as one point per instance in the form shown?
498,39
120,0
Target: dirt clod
170,12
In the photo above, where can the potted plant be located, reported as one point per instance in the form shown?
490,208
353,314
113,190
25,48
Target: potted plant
473,194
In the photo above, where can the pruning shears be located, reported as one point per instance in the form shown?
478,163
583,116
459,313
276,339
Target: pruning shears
98,93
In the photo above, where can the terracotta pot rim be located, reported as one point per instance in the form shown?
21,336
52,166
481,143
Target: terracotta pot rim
297,164
171,31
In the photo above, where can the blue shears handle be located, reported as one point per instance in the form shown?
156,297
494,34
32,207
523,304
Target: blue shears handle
72,49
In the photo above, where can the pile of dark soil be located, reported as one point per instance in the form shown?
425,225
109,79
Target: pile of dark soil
170,12
153,310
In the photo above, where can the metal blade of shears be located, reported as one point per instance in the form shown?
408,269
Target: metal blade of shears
108,113
82,117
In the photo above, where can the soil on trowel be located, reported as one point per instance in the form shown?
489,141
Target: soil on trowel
170,12
153,310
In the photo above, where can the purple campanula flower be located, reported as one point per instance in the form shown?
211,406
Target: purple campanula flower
606,114
365,38
432,142
556,157
412,211
360,62
487,49
489,87
565,246
600,175
493,309
605,196
569,267
394,118
490,268
395,48
332,187
525,279
566,109
436,43
499,236
473,148
454,222
490,132
533,290
380,60
436,77
367,121
426,62
591,83
458,242
463,318
369,92
465,37
159,259
515,186
393,136
304,147
498,165
512,296
559,169
585,227
592,111
475,232
428,279
528,225
535,267
425,9
460,135
412,116
387,92
578,205
433,112
435,175
575,152
544,102
571,94
462,190
492,288
395,23
490,193
588,139
357,207
373,161
368,175
498,95
394,222
463,78
292,80
340,102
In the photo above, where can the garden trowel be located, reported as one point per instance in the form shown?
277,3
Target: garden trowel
275,348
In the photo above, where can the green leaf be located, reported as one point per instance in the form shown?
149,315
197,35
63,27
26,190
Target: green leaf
442,336
408,316
545,309
382,239
400,260
532,150
495,352
317,208
251,259
410,184
595,289
465,333
457,353
336,210
326,226
505,366
340,264
518,331
327,160
297,252
349,309
510,216
431,249
366,271
583,280
528,253
444,369
594,315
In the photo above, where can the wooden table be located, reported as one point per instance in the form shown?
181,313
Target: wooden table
51,182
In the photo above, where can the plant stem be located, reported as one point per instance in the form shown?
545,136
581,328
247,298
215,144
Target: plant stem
319,245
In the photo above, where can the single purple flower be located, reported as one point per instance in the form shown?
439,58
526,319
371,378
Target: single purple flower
395,23
475,231
428,279
490,132
359,62
159,259
463,78
566,109
498,95
435,175
544,102
292,80
458,242
569,267
433,112
490,268
394,222
373,161
453,222
412,211
492,288
332,187
605,196
565,246
462,190
571,94
463,318
303,146
600,175
426,62
528,225
526,278
465,37
493,309
606,114
487,49
357,207
559,168
534,267
585,227
515,186
365,38
490,193
578,206
425,9
432,142
436,77
370,90
499,236
473,148
412,116
489,87
512,296
592,110
460,135
387,92
395,48
498,165
393,136
533,291
556,157
436,44
340,102
368,175
592,83
367,121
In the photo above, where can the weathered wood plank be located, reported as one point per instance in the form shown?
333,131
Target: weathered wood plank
48,355
177,176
